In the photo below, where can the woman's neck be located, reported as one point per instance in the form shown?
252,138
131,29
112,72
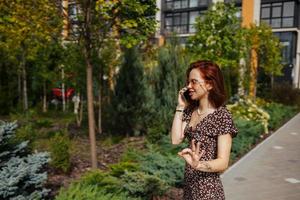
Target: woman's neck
205,105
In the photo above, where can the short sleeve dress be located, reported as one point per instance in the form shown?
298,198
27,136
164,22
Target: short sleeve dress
200,185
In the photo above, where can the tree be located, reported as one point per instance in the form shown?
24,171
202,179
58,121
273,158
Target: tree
98,20
130,94
265,49
218,36
25,26
169,77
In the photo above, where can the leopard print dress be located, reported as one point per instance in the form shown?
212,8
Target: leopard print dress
200,185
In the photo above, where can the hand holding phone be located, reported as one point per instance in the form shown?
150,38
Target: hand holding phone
183,97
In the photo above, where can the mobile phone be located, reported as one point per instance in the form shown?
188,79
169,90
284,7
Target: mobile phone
186,95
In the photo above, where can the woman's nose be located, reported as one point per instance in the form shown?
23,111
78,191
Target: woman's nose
189,85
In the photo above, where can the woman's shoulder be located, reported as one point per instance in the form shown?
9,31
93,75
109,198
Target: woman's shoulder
223,112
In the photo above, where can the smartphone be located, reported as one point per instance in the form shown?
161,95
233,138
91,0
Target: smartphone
186,95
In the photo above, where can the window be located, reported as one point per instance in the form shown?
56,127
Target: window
193,16
180,4
193,3
181,22
278,15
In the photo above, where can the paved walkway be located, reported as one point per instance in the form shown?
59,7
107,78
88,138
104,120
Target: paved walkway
271,171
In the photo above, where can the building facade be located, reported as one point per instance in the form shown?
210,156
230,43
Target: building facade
282,15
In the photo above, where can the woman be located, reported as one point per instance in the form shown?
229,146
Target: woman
203,119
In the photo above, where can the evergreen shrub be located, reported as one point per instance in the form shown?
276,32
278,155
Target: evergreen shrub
27,132
143,185
77,191
249,134
120,168
60,152
104,180
22,174
279,114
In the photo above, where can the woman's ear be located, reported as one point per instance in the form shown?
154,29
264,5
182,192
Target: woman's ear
208,86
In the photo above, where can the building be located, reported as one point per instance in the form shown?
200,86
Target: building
282,15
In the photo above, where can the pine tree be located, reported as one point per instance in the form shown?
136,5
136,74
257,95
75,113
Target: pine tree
21,173
130,94
169,78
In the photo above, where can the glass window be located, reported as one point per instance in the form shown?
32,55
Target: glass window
238,14
168,21
276,11
177,4
267,21
184,3
193,16
169,5
288,22
177,19
276,23
278,14
192,28
265,12
288,9
183,29
184,18
193,3
203,3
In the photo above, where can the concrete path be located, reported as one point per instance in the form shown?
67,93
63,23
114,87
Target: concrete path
271,171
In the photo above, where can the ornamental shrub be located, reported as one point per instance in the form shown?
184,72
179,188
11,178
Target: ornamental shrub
22,174
279,114
249,133
143,185
248,110
60,152
77,191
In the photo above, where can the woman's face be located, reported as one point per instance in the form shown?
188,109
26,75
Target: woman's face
197,86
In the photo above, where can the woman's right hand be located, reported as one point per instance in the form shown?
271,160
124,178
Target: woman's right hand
182,102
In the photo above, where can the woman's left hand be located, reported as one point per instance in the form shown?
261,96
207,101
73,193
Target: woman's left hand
192,156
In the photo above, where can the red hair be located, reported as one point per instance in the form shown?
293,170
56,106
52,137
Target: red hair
212,74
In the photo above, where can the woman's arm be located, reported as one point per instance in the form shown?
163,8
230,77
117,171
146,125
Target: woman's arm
219,164
177,132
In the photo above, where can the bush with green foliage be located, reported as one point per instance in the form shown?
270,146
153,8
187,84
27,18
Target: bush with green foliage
120,168
279,113
249,134
22,174
60,152
141,184
286,94
27,132
248,110
77,191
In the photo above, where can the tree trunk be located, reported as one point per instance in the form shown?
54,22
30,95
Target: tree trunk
91,116
242,67
100,105
253,74
25,97
63,88
272,81
80,112
20,86
89,73
44,97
